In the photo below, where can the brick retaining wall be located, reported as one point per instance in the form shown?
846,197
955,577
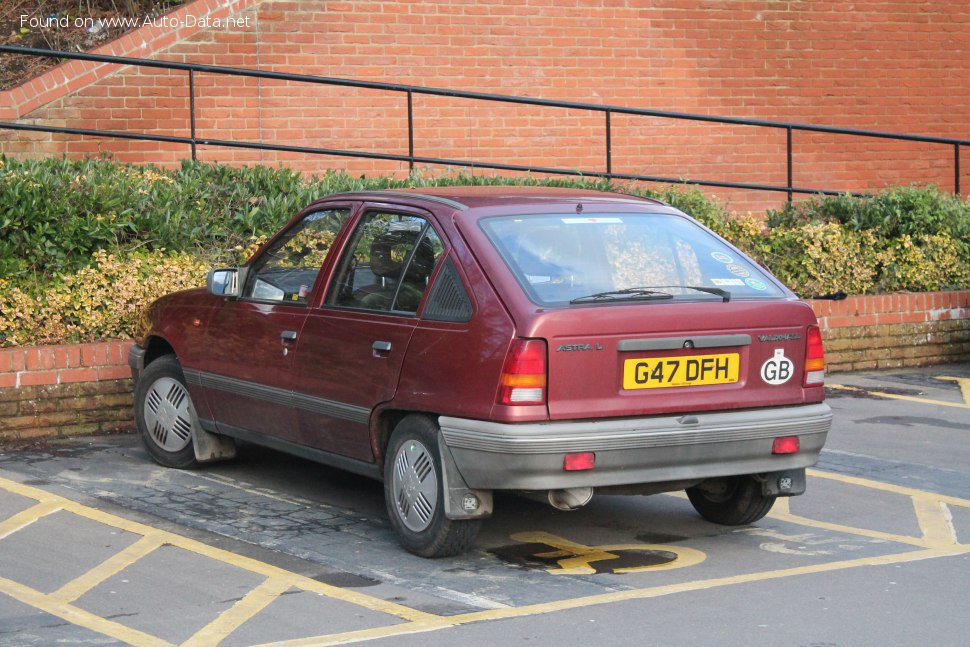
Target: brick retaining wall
878,64
86,388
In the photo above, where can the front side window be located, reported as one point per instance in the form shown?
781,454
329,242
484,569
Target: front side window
287,270
568,259
388,264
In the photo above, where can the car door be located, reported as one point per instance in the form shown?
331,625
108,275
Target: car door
352,347
252,340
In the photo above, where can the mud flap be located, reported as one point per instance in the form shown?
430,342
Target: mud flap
210,447
461,501
784,483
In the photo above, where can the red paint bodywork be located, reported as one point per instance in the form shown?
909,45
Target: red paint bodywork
452,369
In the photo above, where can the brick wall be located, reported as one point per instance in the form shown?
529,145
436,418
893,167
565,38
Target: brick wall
86,388
895,330
64,390
893,65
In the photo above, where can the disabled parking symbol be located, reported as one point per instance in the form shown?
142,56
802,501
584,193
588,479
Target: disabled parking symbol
561,556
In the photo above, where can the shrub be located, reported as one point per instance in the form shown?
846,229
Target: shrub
101,301
85,244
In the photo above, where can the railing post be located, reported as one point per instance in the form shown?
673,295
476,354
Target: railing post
410,131
956,169
788,144
192,110
609,148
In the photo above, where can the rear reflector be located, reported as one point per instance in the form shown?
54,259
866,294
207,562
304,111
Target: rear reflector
523,379
785,445
579,461
814,358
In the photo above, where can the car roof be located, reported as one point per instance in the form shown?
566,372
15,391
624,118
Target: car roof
473,197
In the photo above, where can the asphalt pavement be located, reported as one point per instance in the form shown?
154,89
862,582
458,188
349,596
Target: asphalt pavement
98,545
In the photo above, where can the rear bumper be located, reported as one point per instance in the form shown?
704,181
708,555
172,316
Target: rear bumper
494,456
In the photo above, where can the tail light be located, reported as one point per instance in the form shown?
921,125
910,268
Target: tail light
814,358
523,378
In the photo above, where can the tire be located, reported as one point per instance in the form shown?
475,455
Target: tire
414,494
164,414
731,501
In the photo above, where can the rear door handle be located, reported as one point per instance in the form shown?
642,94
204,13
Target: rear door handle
288,335
381,346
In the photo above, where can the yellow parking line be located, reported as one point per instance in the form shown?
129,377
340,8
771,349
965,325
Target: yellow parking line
963,383
278,580
781,512
26,517
701,585
359,635
251,604
111,566
896,396
218,554
938,540
887,487
934,521
76,616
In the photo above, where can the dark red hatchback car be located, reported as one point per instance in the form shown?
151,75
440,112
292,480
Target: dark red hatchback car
457,341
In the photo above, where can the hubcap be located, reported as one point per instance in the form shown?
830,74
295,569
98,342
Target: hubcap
167,415
415,485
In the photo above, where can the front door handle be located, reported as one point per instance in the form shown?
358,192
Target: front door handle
380,349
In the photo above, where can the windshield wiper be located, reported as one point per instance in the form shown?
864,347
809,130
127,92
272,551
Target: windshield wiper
628,294
645,293
724,294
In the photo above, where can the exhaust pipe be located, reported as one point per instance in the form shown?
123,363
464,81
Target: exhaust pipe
571,499
566,500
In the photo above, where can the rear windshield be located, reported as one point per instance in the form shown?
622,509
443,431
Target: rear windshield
561,259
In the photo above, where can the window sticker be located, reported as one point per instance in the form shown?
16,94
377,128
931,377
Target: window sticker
727,281
582,221
756,284
738,270
721,257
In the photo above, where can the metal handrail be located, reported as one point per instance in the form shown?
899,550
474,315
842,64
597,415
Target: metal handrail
410,90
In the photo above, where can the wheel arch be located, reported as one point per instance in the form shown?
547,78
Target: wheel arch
383,423
156,347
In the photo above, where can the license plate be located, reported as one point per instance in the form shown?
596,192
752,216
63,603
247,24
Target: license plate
695,370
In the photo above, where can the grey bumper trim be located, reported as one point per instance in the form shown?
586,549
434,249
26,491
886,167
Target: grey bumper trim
635,433
634,450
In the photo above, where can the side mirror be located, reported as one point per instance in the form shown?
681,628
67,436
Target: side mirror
226,282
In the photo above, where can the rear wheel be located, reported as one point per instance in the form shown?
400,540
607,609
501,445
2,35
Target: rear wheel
731,501
164,414
414,494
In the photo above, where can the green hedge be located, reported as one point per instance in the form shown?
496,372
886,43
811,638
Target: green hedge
66,223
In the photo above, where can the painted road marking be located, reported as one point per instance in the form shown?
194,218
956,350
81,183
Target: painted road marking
59,602
909,398
577,559
963,383
938,538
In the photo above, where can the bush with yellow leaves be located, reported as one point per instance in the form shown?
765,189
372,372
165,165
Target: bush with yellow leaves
101,301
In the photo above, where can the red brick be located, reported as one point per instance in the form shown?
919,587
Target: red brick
28,378
78,375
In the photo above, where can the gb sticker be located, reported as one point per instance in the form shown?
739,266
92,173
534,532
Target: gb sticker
778,369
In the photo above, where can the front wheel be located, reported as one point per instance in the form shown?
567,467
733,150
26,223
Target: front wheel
731,501
164,414
414,493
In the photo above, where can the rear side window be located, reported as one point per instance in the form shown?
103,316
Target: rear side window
388,264
558,259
